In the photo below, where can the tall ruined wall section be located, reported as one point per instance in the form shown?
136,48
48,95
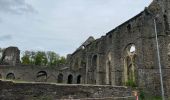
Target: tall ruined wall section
109,59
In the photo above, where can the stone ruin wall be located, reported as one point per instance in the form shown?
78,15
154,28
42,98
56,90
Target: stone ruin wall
108,60
114,49
42,91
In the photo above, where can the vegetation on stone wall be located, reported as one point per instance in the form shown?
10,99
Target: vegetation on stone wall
42,58
131,83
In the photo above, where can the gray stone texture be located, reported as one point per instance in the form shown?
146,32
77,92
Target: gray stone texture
109,60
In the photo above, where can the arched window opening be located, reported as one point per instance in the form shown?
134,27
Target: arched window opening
42,76
130,75
83,47
79,79
166,22
60,78
132,49
108,73
10,76
94,67
94,61
110,38
70,79
129,27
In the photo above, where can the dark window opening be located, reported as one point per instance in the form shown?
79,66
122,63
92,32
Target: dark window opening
10,76
42,76
166,23
70,79
60,78
79,79
129,27
110,38
94,61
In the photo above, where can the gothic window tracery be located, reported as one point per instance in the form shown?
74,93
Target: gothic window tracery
130,66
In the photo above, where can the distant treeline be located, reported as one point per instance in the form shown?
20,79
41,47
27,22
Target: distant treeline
40,58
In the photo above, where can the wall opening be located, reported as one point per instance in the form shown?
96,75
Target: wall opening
60,78
79,79
70,79
94,69
166,22
41,76
110,38
0,76
83,47
10,76
108,73
129,27
94,61
132,49
130,75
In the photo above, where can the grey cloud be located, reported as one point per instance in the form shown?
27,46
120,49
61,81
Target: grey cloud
15,7
5,37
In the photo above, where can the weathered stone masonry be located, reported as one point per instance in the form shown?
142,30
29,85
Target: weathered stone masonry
126,53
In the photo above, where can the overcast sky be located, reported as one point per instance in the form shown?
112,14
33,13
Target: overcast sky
61,25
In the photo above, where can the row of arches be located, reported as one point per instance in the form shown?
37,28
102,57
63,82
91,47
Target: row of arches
9,76
42,77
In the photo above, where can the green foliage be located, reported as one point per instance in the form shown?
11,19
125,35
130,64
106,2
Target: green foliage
41,58
25,60
131,83
142,95
52,58
62,60
145,96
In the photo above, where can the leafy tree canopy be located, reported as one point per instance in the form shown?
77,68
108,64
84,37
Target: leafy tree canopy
42,58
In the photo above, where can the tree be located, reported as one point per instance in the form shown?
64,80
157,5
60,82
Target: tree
40,58
61,61
52,58
25,60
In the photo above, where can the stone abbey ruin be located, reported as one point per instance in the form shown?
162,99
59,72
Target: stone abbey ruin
127,53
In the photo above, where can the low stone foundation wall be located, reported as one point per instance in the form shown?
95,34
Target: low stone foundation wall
43,91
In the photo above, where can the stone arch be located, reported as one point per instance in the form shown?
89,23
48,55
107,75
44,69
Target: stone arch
10,76
108,73
70,79
108,69
41,76
79,78
130,64
60,78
